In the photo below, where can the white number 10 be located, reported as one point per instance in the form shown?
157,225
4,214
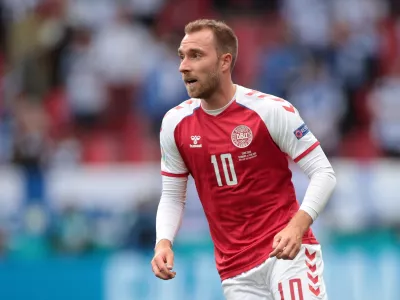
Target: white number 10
226,160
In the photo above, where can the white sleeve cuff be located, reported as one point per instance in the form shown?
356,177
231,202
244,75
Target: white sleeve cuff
171,207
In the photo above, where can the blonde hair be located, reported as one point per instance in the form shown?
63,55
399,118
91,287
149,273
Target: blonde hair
227,41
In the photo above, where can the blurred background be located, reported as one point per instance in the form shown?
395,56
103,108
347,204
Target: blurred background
84,86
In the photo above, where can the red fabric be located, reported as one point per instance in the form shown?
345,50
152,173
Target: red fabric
243,217
174,175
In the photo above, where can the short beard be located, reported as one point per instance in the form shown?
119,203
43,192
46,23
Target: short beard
207,89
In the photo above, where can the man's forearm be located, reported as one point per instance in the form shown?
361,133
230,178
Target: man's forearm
171,207
322,182
301,220
164,243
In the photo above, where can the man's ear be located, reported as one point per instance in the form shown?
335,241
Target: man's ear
226,62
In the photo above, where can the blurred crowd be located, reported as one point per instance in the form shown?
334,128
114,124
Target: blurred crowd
37,231
88,81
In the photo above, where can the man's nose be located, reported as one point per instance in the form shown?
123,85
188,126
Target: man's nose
184,67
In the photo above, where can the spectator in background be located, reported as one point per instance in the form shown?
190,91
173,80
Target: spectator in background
360,18
385,110
85,93
92,14
33,44
17,9
310,22
163,87
31,139
355,39
31,145
280,63
124,51
320,100
146,10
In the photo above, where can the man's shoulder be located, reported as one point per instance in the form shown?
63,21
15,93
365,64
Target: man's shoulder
260,102
176,114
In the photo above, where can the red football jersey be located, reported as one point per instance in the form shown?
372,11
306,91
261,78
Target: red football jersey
238,160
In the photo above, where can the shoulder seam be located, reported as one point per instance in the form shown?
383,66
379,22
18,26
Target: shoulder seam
175,117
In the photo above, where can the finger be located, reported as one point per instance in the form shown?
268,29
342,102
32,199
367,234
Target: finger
160,274
277,239
163,266
275,252
170,260
275,244
154,267
286,251
294,252
157,271
282,244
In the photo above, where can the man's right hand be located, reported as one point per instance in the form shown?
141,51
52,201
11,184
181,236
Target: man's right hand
163,260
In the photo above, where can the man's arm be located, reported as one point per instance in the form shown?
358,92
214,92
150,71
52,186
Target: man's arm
294,138
322,182
169,218
172,202
171,208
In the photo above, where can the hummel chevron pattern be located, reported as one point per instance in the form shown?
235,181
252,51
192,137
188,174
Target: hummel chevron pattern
316,291
310,256
313,279
312,268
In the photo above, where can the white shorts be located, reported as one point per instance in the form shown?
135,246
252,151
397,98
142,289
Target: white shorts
277,279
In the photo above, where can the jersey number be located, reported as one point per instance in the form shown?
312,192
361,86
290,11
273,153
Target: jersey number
226,160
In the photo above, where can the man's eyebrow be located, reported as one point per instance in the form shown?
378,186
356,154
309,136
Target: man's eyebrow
192,50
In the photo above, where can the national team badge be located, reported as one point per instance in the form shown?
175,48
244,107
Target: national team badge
242,136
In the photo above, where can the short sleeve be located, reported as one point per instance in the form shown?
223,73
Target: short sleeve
172,163
289,131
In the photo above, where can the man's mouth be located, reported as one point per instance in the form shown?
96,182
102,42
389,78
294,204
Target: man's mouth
190,82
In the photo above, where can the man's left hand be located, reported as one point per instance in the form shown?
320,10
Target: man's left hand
287,243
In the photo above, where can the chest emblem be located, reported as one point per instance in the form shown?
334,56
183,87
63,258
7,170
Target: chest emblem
241,136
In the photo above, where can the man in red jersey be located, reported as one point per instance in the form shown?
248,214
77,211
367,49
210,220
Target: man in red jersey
234,141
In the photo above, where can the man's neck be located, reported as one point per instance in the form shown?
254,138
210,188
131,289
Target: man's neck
220,98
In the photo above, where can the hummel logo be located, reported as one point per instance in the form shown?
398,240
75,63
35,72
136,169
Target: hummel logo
195,139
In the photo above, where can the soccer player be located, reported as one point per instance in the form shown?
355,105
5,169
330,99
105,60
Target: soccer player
235,143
